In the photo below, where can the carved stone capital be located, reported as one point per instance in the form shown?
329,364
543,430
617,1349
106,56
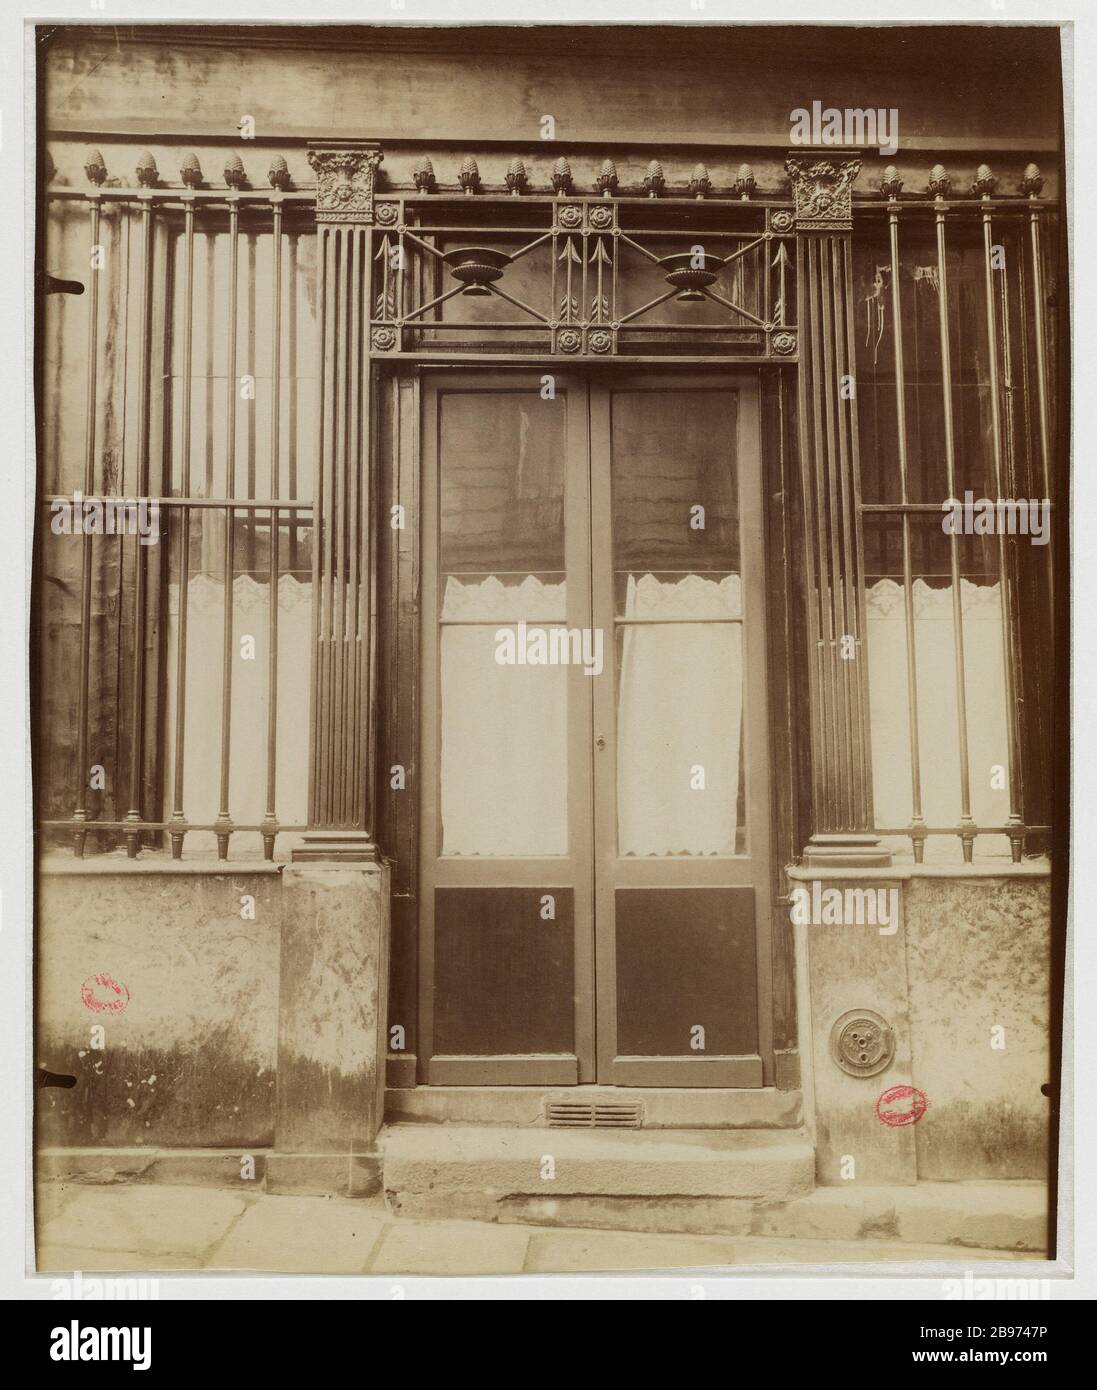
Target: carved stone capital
345,173
822,192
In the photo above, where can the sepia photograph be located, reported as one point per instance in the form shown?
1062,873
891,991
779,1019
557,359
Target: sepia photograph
549,652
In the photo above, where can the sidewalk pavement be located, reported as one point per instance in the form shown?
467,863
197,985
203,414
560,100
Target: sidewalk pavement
152,1228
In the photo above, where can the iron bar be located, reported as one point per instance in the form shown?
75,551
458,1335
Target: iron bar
917,819
1005,605
967,837
80,812
177,814
137,708
270,819
1043,420
223,819
518,304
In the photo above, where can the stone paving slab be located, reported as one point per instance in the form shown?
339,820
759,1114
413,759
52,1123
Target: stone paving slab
50,1199
65,1259
154,1220
301,1235
414,1247
148,1229
572,1252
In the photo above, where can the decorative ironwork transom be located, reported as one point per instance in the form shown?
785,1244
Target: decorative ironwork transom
582,278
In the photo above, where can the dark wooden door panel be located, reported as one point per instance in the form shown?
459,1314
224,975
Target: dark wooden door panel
686,972
504,972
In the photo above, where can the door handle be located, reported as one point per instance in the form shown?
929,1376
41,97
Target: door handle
599,742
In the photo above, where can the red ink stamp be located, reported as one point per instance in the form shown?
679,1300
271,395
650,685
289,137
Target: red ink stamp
901,1105
104,995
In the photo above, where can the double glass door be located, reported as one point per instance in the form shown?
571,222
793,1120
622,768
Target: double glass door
594,838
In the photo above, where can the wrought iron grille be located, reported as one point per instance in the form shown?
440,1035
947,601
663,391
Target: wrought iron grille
955,383
506,278
196,358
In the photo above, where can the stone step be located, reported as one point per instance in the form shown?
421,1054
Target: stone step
667,1107
494,1173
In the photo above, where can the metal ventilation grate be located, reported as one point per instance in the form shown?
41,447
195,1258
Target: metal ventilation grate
585,1114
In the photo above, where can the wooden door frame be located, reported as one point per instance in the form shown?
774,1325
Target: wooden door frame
553,1070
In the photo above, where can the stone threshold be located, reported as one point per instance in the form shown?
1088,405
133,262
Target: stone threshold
660,1108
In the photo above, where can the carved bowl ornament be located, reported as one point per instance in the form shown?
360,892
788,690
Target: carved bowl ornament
822,192
861,1043
476,267
691,273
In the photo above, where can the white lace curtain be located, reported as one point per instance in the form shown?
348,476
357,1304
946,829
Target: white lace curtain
504,749
679,716
250,683
504,736
938,719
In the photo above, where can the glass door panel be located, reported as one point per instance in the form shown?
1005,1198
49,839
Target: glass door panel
506,935
680,886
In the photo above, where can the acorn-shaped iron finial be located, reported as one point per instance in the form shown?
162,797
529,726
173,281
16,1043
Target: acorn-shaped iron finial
278,173
561,177
891,185
423,173
516,177
469,175
606,182
654,179
94,167
699,181
234,171
939,182
146,170
984,182
744,181
190,171
1032,181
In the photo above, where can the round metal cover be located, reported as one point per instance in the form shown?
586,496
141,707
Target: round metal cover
862,1043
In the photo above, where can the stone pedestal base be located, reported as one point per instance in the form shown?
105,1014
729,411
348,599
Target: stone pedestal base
332,1027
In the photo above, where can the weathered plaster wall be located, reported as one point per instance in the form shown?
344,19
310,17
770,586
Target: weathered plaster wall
856,967
630,84
628,93
971,956
190,1059
977,960
333,1007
